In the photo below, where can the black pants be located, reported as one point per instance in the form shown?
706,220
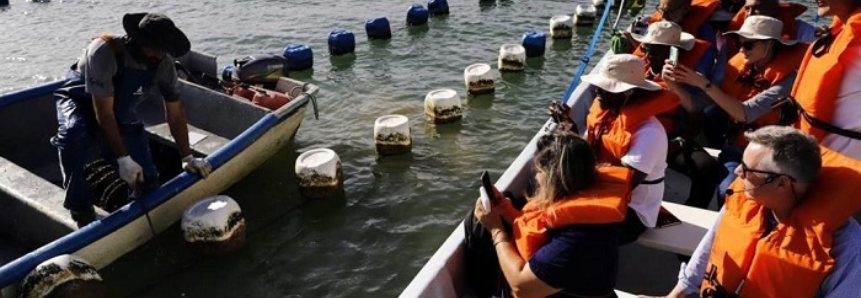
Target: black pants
483,273
630,229
703,170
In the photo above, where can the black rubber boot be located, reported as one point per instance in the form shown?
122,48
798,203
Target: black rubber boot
83,217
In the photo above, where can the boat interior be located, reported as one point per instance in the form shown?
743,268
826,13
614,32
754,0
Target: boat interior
32,176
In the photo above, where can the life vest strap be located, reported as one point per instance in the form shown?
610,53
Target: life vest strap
821,124
715,289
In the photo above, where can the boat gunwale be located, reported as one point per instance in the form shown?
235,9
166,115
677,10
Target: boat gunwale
16,270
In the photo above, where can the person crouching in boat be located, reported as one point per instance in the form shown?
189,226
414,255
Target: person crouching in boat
785,230
98,105
623,131
757,78
564,241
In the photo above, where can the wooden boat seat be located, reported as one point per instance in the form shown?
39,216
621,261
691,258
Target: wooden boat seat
683,238
202,142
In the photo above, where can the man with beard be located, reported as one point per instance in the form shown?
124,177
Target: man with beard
98,106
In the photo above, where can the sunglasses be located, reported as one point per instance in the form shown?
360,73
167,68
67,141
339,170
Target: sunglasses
654,49
748,45
608,95
768,179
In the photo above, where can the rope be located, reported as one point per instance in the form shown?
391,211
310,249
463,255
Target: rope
304,89
589,51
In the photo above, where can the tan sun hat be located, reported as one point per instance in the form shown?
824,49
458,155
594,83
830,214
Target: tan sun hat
666,33
620,73
762,27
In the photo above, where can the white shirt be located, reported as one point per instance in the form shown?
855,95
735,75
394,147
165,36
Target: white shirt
847,106
648,154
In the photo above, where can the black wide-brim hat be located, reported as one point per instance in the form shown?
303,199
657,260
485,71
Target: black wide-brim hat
157,31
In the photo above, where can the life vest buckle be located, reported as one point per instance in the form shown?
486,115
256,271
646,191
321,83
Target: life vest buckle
715,289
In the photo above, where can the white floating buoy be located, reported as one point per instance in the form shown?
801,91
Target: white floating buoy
214,225
478,78
585,15
319,174
63,276
561,26
392,135
443,106
512,57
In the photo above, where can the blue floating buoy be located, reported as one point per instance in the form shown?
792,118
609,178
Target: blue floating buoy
438,7
378,28
417,15
227,73
341,42
299,57
533,42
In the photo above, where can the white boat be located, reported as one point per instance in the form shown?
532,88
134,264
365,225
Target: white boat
233,134
652,258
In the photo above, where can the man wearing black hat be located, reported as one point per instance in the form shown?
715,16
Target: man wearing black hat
98,106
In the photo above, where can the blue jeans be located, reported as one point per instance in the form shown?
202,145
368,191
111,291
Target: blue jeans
78,132
730,158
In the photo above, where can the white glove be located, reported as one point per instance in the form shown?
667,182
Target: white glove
130,171
196,165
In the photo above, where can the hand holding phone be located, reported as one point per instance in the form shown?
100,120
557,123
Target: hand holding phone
488,192
674,55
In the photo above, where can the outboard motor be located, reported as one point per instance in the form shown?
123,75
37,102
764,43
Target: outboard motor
263,69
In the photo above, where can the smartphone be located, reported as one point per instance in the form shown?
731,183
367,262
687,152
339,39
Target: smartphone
666,219
674,55
486,190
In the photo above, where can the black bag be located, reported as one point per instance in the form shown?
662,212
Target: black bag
483,273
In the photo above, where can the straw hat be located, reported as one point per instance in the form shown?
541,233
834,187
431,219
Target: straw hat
762,27
666,33
620,73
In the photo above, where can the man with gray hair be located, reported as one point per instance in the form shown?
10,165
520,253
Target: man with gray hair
786,229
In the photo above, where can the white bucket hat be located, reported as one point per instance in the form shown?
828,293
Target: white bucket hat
620,73
761,28
666,33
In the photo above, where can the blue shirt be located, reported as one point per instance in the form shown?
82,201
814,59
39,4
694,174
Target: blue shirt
580,259
844,280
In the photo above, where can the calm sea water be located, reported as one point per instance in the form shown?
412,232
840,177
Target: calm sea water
397,210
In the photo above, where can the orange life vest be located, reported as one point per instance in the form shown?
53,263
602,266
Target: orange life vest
699,14
792,260
787,13
619,129
605,202
781,66
819,79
